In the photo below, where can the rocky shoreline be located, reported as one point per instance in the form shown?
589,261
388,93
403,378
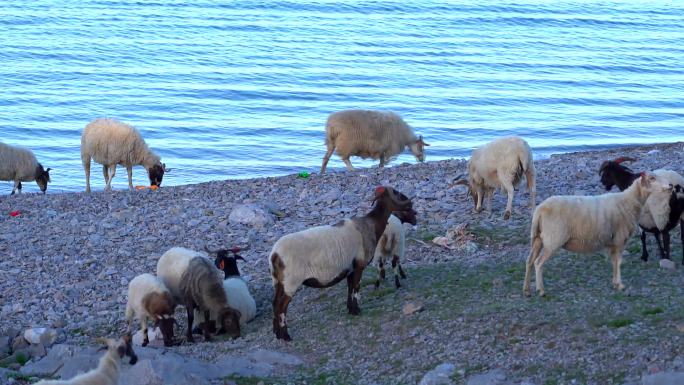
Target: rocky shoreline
67,260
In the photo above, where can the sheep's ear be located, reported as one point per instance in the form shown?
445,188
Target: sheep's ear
48,169
239,257
420,139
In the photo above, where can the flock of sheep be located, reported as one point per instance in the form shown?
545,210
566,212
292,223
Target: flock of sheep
217,300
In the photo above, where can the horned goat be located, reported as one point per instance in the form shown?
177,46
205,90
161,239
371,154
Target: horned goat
322,256
500,163
111,142
392,244
588,224
109,367
662,212
369,134
18,164
149,299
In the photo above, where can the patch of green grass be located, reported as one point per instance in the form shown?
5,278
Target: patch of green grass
653,311
426,235
619,322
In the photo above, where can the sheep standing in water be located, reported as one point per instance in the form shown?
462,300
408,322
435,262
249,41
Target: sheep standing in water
18,164
111,142
369,134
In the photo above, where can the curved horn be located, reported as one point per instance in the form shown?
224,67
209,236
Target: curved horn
393,195
624,159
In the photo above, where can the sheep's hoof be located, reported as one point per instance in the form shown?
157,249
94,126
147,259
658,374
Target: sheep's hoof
282,335
402,274
197,330
145,342
476,210
619,286
507,215
354,310
542,293
377,284
189,338
396,282
527,293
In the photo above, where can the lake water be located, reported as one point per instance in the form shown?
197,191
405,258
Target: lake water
239,89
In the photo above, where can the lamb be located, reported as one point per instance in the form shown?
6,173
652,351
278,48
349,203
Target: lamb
588,224
500,164
369,134
235,287
111,142
392,244
109,367
662,212
322,256
194,282
149,299
18,164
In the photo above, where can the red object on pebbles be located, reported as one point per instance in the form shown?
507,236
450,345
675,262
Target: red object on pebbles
15,213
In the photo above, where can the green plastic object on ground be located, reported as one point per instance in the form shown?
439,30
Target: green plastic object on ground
303,174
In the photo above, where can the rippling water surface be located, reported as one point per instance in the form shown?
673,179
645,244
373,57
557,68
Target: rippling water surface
238,89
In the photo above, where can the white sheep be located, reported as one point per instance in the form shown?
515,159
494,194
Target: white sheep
392,244
149,299
588,224
500,164
111,142
109,367
197,287
18,164
324,255
369,134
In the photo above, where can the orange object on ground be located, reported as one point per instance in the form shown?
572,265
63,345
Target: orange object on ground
144,187
15,213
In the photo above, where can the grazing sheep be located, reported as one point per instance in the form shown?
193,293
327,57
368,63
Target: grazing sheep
202,289
235,287
500,164
111,142
149,299
662,211
324,255
109,367
18,164
369,134
391,244
588,224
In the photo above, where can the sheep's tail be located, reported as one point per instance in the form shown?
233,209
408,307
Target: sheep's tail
535,228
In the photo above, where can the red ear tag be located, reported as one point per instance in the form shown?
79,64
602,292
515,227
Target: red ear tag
221,265
642,174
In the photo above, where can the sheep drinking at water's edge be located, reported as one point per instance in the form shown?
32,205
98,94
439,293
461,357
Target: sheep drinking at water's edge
149,299
111,142
18,164
109,367
392,244
662,212
369,134
500,164
588,224
324,255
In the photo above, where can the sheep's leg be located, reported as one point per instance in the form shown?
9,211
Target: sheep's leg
616,258
86,168
326,158
665,245
382,160
395,264
489,194
348,163
143,327
538,266
644,250
531,188
381,271
105,173
479,193
681,235
207,333
280,302
191,319
112,172
534,254
353,285
401,271
129,170
17,187
509,204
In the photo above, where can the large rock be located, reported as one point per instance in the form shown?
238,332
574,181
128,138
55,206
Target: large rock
251,214
43,336
493,377
441,375
663,378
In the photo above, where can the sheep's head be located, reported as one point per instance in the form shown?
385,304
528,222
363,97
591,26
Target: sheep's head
156,174
165,323
122,347
613,173
652,183
230,319
418,149
408,216
42,177
226,263
392,199
462,180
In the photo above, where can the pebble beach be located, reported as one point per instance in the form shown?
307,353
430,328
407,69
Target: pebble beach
66,260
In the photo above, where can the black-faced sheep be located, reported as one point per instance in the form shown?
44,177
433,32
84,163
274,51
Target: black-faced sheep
109,367
500,164
18,164
149,299
588,224
111,142
662,212
324,255
392,244
369,134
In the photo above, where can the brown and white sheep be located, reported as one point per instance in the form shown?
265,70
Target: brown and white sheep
18,164
392,244
149,299
111,142
500,163
588,224
369,134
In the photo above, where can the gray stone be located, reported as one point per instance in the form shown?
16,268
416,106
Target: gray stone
251,214
5,344
441,375
37,350
49,365
43,336
663,378
493,377
667,264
